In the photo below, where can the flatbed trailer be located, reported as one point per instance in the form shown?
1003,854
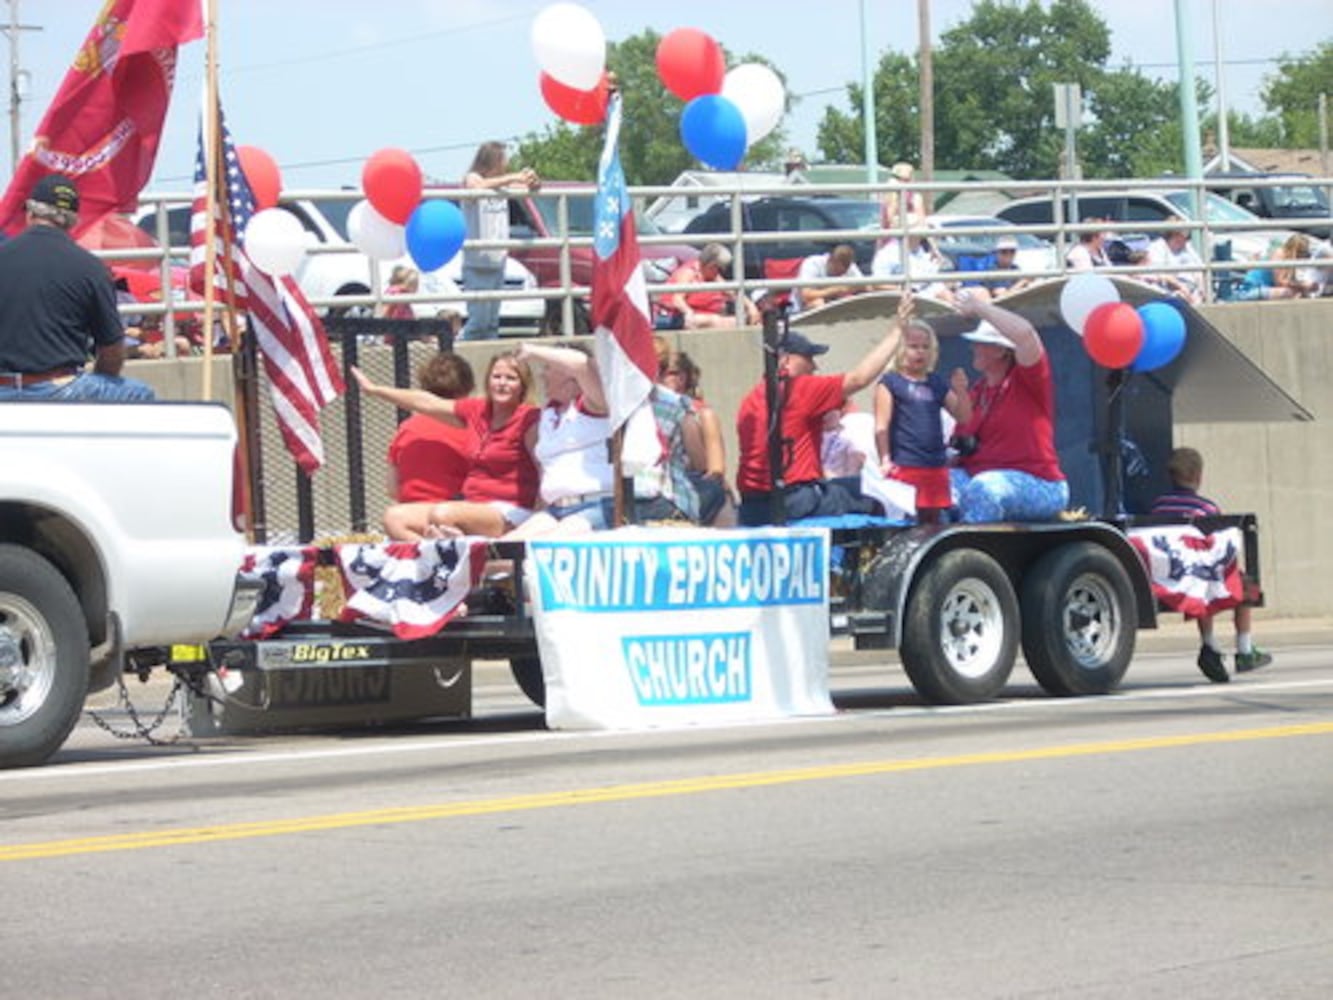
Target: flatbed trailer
957,602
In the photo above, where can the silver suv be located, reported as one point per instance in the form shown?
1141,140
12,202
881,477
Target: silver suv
1154,206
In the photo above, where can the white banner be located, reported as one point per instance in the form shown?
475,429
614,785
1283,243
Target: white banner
656,627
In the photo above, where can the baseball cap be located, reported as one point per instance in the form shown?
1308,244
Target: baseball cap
795,342
1006,243
985,333
58,191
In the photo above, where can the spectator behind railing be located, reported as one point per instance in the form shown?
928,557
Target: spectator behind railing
1282,282
1173,249
707,309
837,263
1090,250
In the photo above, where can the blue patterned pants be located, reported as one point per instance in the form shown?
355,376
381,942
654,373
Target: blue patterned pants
1007,495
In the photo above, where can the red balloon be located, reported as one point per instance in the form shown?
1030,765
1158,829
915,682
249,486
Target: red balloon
1113,334
582,107
261,173
690,64
392,182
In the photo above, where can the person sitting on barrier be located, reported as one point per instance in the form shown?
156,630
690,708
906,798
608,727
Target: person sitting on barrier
1173,249
805,398
909,431
1008,467
1282,282
430,458
1090,251
679,373
840,262
500,489
403,280
708,309
1186,469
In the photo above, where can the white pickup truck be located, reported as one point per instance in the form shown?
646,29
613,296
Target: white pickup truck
117,531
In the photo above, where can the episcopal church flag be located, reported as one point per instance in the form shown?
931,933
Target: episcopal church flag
620,315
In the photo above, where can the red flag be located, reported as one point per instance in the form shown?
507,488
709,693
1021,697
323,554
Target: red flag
620,315
103,127
303,376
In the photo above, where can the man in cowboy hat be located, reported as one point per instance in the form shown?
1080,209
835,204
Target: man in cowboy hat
58,305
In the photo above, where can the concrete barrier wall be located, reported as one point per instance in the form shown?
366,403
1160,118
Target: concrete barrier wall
1281,472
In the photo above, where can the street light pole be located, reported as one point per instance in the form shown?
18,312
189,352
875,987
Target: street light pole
868,101
12,30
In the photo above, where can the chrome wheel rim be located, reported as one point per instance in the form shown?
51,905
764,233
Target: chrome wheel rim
971,628
27,660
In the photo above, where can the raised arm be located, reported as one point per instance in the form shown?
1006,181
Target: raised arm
416,400
873,364
582,366
1018,331
959,401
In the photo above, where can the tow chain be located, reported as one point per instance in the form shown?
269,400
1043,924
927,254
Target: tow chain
139,730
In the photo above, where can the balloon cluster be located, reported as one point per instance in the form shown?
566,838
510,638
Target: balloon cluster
394,219
726,111
1115,334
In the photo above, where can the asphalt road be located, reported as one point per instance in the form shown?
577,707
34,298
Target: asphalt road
1169,841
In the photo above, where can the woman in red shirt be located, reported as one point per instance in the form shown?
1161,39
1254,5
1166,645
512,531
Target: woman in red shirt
500,490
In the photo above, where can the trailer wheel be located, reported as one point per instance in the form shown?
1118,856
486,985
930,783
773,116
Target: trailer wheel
1078,620
44,658
960,632
527,671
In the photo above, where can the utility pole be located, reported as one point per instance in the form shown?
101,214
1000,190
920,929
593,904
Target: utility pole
17,77
926,83
1223,125
868,101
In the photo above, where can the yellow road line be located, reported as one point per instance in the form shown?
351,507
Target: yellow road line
624,793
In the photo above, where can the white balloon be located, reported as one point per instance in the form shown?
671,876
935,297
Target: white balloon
570,45
275,241
758,92
373,234
1082,294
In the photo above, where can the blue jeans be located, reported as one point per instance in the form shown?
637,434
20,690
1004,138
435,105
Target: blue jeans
1007,495
483,318
90,387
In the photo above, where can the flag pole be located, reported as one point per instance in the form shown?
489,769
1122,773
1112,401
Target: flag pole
211,185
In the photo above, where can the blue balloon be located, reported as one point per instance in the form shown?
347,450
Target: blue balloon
713,130
435,232
1163,336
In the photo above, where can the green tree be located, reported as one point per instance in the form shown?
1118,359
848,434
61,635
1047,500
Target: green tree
841,136
651,150
995,104
1293,94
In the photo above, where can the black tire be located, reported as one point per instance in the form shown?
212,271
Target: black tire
960,633
1079,620
44,658
527,671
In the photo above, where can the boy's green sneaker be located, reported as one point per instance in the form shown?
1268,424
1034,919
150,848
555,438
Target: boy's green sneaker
1253,660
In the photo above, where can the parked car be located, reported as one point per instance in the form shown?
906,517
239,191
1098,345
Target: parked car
340,269
536,217
1154,206
794,217
1300,205
956,237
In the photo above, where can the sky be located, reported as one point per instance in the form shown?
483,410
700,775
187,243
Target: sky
323,84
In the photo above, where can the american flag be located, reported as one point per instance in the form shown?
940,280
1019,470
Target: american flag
624,331
303,376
